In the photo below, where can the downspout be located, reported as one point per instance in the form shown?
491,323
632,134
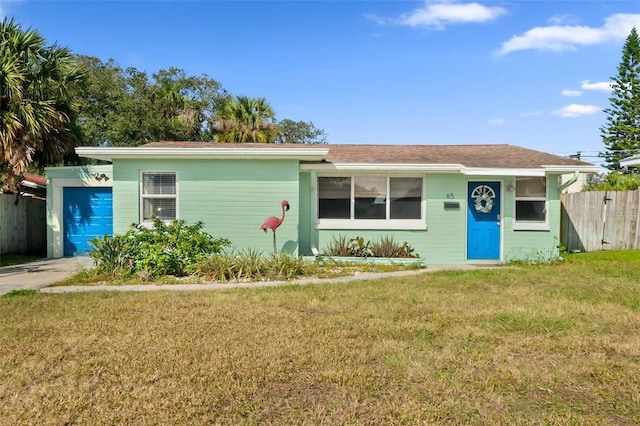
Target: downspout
574,178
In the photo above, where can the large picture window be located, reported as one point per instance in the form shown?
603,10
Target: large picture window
370,201
531,201
158,196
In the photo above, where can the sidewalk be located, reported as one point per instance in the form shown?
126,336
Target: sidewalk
36,275
41,274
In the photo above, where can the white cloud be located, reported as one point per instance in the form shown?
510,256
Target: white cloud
560,38
604,86
565,19
532,114
576,110
497,121
375,18
569,92
438,14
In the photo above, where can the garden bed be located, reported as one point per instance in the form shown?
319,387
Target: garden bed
408,261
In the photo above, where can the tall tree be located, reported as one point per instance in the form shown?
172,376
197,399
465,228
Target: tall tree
128,108
244,119
621,133
290,131
36,112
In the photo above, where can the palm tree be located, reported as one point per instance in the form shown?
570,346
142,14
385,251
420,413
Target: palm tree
36,115
244,119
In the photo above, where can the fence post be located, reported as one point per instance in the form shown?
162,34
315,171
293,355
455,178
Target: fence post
636,243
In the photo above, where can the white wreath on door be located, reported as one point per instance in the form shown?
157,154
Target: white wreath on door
483,196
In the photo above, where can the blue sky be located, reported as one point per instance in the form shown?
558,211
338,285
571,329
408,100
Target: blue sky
527,73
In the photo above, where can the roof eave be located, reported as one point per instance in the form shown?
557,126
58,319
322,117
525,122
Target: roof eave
560,169
111,153
32,185
386,167
449,168
631,161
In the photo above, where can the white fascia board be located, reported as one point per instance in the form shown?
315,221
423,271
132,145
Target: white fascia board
447,168
550,170
357,167
630,161
111,153
33,185
490,171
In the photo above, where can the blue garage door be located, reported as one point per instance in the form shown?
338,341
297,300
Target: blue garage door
88,213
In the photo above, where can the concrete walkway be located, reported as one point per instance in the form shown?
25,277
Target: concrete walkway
41,274
36,275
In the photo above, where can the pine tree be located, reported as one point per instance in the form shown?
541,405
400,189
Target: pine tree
621,133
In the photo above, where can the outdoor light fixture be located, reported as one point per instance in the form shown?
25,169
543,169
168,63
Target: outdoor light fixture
510,187
100,176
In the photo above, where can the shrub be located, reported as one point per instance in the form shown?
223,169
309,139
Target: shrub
220,267
286,266
358,247
251,265
613,182
110,254
172,249
338,246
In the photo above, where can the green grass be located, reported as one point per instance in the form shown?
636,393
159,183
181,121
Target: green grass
555,344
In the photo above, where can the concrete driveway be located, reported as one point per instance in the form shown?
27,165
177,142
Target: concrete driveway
36,275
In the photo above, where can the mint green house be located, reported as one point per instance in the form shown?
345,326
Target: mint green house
454,204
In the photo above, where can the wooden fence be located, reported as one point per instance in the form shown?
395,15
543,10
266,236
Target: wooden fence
601,220
23,226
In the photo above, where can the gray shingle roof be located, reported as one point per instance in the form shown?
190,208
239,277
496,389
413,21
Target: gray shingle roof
489,155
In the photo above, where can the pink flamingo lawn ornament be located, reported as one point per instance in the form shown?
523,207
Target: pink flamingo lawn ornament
273,222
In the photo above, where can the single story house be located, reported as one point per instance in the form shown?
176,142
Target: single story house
454,204
634,160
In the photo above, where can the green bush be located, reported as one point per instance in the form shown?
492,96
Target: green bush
359,247
111,254
387,247
286,266
613,182
220,267
338,246
172,249
251,265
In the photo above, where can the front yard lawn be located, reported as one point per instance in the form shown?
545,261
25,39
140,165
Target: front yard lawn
555,344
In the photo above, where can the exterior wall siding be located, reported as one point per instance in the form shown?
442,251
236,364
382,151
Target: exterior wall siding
534,245
444,241
231,197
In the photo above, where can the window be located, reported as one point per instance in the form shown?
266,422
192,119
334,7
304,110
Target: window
334,199
377,202
531,203
158,196
370,197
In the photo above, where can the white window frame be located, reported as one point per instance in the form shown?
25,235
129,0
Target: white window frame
531,225
384,224
143,196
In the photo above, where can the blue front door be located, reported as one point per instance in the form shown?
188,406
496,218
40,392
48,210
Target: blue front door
87,214
483,220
